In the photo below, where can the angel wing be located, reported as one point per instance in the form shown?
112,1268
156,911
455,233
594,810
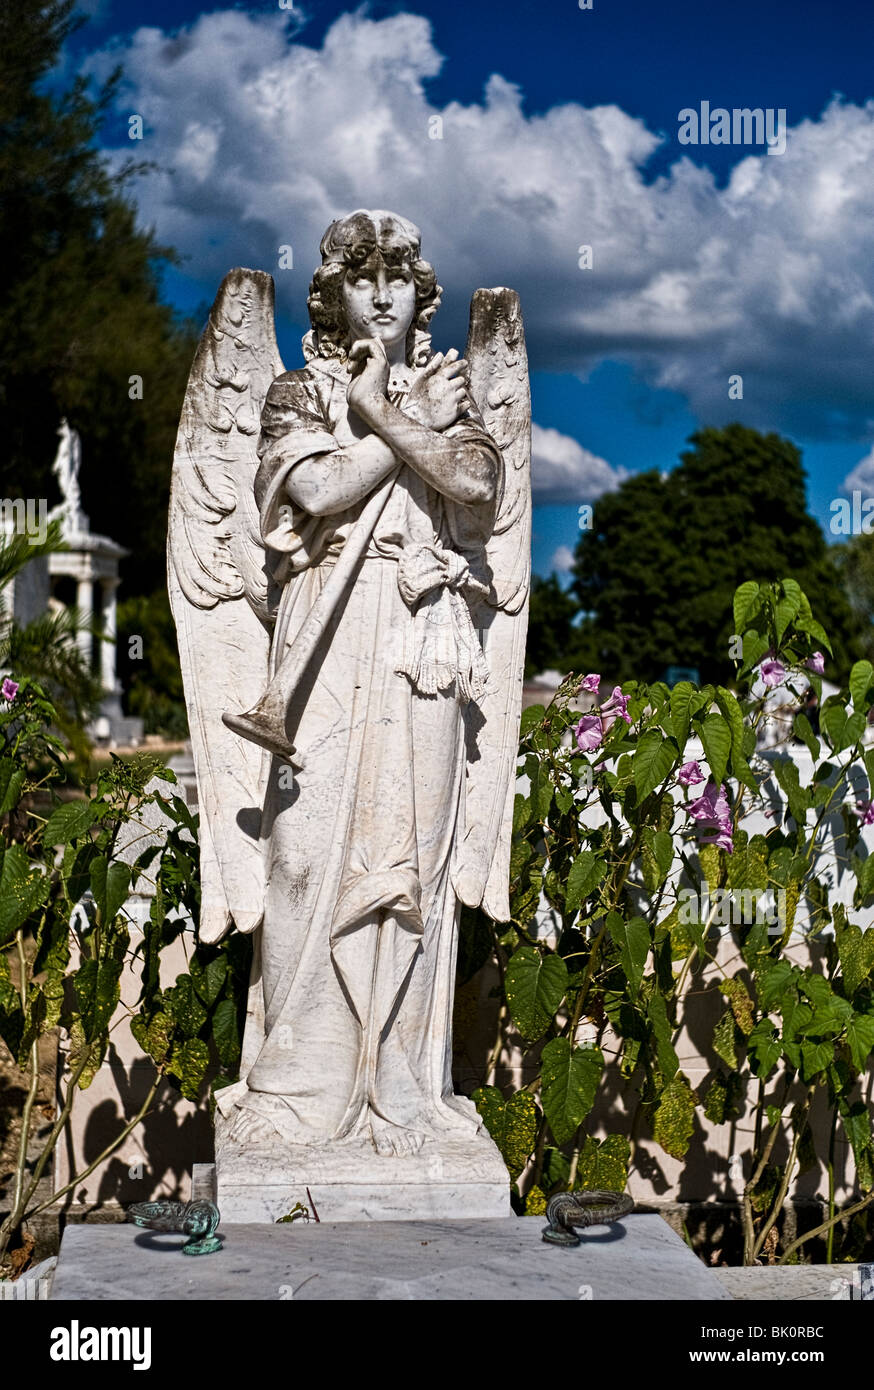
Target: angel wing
218,587
499,385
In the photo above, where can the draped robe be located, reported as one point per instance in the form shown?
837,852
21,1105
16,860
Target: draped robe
359,935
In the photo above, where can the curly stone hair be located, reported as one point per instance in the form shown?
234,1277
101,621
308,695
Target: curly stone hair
348,243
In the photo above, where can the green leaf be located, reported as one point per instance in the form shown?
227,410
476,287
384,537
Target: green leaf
110,884
861,681
798,797
225,1032
860,1039
856,954
786,610
681,710
804,730
745,604
556,1170
815,1058
521,812
603,1167
748,866
11,781
570,1080
755,645
208,979
733,715
69,821
531,716
736,993
716,740
724,1040
805,623
857,1123
23,888
721,1101
154,1036
535,986
97,983
633,941
841,729
653,760
184,1006
658,1017
673,1121
764,1048
775,983
189,1065
585,874
512,1124
11,1012
657,856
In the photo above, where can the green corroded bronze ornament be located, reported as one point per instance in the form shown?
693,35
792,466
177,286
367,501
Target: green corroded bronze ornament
197,1220
569,1209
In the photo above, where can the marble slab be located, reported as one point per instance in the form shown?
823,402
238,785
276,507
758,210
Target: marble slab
640,1259
466,1180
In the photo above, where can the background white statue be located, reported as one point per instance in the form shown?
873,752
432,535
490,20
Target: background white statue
68,461
349,560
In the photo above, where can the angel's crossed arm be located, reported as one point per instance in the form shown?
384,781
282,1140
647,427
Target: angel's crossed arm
330,480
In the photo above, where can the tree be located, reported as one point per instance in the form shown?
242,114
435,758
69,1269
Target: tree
80,313
550,625
658,569
855,562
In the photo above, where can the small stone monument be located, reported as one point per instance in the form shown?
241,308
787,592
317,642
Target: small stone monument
349,555
91,563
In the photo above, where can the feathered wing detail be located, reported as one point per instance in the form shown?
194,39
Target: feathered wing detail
218,586
499,386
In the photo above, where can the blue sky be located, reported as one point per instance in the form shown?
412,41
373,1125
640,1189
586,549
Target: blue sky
707,259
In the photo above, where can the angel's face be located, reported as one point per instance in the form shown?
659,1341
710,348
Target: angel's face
380,301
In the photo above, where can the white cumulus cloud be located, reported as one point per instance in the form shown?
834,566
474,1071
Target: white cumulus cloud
563,471
562,559
861,478
262,139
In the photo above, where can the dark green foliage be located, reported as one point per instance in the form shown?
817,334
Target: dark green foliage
665,555
79,302
621,949
551,612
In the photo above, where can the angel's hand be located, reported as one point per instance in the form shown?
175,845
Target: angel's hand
370,375
439,397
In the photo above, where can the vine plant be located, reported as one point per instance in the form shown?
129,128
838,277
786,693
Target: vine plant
631,830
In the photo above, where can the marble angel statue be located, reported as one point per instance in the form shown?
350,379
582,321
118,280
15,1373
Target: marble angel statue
349,572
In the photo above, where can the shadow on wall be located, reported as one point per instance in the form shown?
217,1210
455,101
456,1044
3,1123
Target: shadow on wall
717,1162
157,1157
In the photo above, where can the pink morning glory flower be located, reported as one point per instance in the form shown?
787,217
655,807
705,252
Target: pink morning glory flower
816,663
588,733
713,814
9,689
773,671
590,683
865,812
690,774
615,708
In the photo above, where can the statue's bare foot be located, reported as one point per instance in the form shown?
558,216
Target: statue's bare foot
394,1139
252,1128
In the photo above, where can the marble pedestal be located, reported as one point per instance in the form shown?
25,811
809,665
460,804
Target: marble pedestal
462,1180
640,1258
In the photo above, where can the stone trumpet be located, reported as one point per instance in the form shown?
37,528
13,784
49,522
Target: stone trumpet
265,723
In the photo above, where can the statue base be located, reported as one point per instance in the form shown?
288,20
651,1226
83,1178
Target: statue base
458,1179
